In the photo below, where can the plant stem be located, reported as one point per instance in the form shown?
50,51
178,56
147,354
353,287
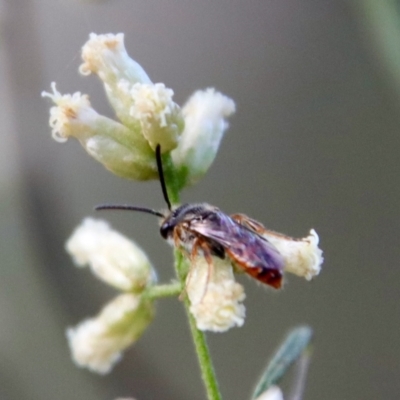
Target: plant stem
174,183
203,354
168,290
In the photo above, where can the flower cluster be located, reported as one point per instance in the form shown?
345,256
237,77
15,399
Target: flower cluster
147,113
97,343
189,138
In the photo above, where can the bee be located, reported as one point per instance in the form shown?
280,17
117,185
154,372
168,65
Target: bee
203,229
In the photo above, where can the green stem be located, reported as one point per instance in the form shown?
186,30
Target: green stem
175,182
203,354
168,290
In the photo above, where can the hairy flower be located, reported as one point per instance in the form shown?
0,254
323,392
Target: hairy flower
215,298
120,149
302,257
160,118
97,343
205,116
112,257
106,56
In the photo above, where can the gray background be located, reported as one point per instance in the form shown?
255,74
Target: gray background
314,143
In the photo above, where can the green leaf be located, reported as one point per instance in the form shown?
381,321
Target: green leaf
290,350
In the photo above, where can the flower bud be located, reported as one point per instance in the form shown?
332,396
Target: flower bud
302,257
205,116
121,150
97,343
112,257
215,297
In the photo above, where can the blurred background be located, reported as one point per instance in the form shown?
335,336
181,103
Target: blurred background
314,144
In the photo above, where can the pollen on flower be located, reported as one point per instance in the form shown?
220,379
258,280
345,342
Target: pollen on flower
215,298
67,108
158,115
302,257
112,257
97,343
106,56
94,49
152,102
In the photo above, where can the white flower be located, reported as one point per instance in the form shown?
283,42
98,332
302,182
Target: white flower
160,118
302,257
121,150
106,56
112,257
70,113
97,343
273,393
142,106
215,297
205,116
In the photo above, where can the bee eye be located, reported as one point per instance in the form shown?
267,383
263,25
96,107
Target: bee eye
164,230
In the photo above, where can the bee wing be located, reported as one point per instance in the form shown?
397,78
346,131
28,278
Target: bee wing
216,226
253,253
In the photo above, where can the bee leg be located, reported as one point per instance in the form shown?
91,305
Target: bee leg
199,243
192,258
178,245
210,270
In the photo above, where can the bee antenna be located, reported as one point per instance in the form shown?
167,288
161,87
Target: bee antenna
161,176
130,208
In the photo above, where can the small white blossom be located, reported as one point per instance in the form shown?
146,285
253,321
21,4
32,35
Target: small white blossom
205,116
97,343
121,150
273,393
112,257
106,56
160,118
302,257
71,113
215,298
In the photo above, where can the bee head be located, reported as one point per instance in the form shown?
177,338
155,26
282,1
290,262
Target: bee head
185,213
173,217
172,220
167,227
